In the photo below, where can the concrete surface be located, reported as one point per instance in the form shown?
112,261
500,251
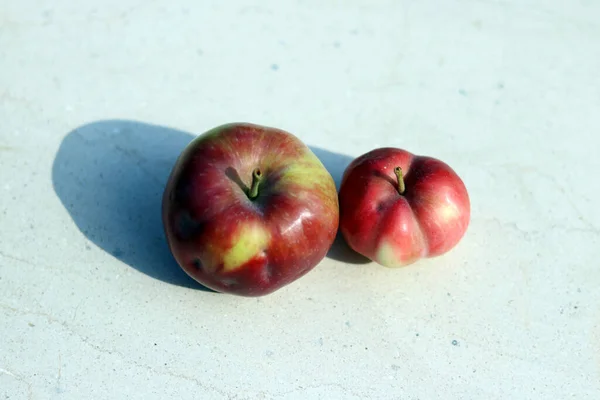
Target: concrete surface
97,99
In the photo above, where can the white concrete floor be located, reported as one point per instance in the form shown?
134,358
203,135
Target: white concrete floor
97,98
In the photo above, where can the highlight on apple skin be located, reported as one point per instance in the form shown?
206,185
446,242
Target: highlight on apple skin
397,207
249,209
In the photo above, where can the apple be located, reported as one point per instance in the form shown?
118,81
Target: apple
397,207
249,209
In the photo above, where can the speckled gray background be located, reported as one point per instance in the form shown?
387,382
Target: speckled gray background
98,97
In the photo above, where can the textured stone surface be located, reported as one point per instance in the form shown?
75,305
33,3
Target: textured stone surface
97,98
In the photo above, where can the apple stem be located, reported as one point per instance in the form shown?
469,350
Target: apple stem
257,177
401,187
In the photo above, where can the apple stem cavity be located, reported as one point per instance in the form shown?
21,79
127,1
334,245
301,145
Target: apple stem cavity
257,178
401,187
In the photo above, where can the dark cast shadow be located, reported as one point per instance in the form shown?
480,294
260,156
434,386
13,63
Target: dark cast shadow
110,176
336,164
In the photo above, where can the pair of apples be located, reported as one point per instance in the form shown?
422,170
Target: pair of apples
249,209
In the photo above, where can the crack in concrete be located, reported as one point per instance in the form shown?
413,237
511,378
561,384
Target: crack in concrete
528,233
15,258
113,352
27,262
566,195
19,378
344,389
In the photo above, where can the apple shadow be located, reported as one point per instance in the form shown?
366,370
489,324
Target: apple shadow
336,164
110,176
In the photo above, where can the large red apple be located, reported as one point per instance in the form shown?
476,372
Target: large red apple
396,207
249,209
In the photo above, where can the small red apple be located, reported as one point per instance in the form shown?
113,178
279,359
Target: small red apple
249,209
397,207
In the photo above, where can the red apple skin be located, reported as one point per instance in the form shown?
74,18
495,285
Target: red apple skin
249,247
393,229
